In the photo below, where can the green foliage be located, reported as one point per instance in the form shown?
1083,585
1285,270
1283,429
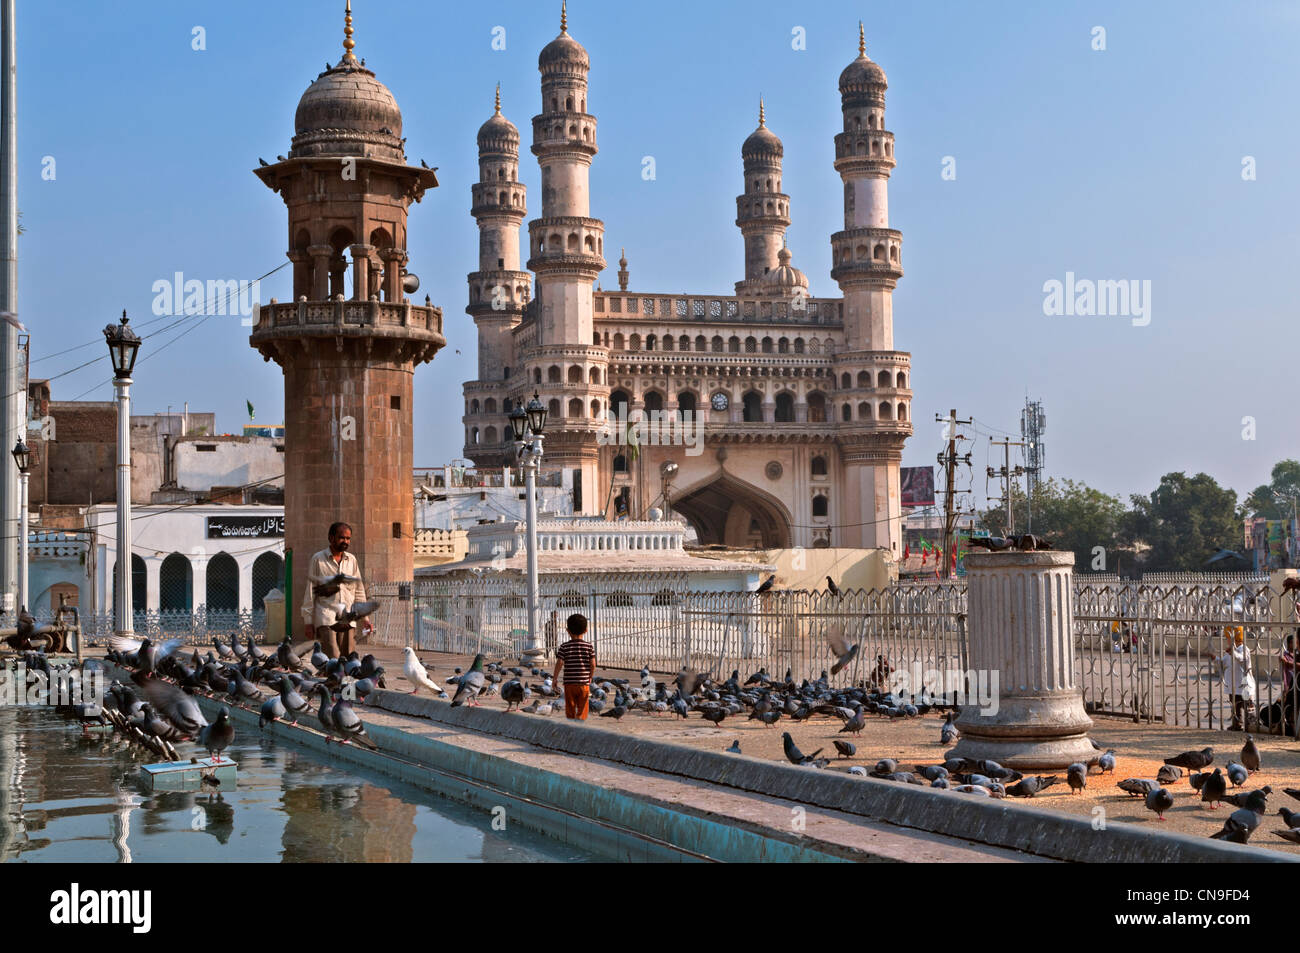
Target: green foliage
1184,521
1263,500
1074,516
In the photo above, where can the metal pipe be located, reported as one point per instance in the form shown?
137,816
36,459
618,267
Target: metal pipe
22,542
12,397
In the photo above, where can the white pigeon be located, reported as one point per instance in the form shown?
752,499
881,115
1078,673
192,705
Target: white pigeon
417,674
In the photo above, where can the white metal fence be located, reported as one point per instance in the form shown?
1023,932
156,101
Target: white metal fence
1148,651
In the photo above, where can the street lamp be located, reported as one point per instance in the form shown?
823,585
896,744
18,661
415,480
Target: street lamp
667,470
528,425
123,343
22,457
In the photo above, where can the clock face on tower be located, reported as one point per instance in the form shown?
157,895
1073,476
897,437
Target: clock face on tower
719,402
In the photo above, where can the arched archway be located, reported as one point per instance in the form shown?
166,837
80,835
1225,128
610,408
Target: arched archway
729,511
268,574
176,584
223,584
139,586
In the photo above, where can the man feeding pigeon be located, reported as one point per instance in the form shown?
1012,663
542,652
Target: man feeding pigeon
327,594
576,661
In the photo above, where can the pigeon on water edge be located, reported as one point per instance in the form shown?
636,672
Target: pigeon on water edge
469,685
792,752
216,737
418,675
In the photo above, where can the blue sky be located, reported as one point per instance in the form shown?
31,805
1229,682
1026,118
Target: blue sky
1124,163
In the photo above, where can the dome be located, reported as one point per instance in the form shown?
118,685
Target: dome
348,112
564,50
497,129
785,275
862,72
762,141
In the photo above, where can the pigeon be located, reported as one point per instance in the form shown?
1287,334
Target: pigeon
617,712
856,723
1107,762
285,656
1159,800
833,589
1238,827
792,752
1237,773
513,693
1293,835
171,703
418,675
217,736
714,715
1213,788
469,685
1030,787
843,652
223,650
1076,775
735,747
344,616
932,772
994,544
846,749
146,653
940,783
256,652
318,658
349,726
948,732
1250,755
1289,817
1168,774
767,583
1293,792
329,587
973,789
885,766
293,703
326,712
770,718
272,710
1192,760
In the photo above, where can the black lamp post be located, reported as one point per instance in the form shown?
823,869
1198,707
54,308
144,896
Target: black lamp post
22,457
528,427
123,345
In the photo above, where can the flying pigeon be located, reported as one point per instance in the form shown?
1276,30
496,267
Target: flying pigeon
843,652
171,703
418,675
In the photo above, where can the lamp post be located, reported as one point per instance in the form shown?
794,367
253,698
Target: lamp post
23,457
528,425
123,343
667,470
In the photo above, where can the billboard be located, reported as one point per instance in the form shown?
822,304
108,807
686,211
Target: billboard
917,486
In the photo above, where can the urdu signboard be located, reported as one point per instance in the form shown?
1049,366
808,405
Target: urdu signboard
232,527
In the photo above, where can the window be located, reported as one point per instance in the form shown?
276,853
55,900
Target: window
397,531
753,404
785,408
819,466
619,598
820,506
206,447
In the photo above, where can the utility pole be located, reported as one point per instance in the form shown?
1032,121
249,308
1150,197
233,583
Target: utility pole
948,460
13,414
1008,474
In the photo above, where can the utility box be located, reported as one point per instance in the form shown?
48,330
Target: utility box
274,603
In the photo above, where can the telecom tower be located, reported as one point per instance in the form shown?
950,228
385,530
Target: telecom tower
1033,423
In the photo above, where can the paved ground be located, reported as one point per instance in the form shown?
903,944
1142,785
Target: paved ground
1139,753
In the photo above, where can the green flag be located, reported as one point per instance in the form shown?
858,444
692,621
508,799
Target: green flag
250,409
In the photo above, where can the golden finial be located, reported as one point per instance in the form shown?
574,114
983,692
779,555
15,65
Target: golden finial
761,119
348,42
862,39
564,16
498,99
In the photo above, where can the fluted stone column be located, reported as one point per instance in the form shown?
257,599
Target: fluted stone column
1022,627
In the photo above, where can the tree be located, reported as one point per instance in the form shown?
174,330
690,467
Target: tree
1263,500
1074,517
1183,522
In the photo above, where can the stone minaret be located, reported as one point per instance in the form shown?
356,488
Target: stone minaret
763,212
499,290
349,353
867,265
567,250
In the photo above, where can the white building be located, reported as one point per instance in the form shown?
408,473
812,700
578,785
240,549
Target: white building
222,557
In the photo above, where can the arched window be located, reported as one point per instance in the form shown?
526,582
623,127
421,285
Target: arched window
683,343
864,410
595,408
798,346
820,505
864,378
879,253
686,402
575,407
490,436
767,345
618,340
634,342
902,381
489,405
753,404
176,585
653,400
473,436
473,406
593,375
619,401
553,408
751,345
701,344
846,413
553,374
619,599
717,344
268,574
537,375
816,408
139,584
883,379
785,407
819,466
223,584
886,410
845,381
620,464
733,345
783,346
669,342
650,342
902,411
575,373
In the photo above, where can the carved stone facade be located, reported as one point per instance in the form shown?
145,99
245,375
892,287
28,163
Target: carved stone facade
803,403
